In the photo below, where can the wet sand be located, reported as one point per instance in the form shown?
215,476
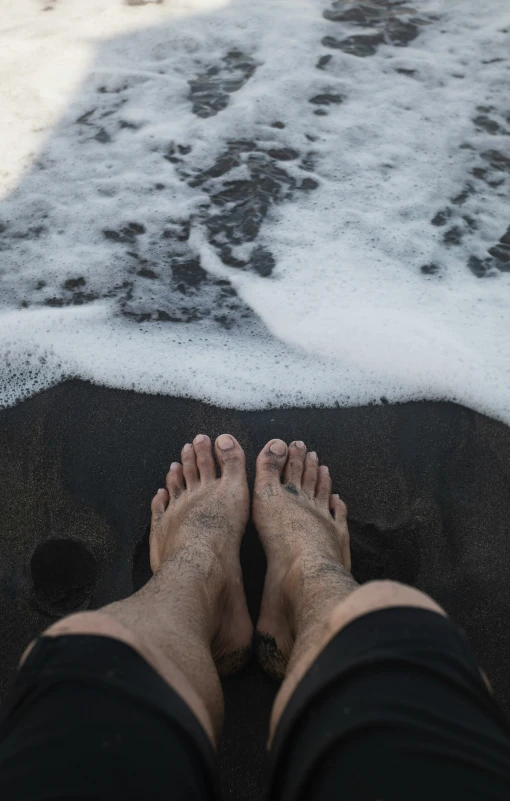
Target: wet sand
427,486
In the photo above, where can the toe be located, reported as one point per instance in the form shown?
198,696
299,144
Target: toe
270,463
310,474
159,502
295,463
205,459
175,480
338,507
189,466
323,488
230,456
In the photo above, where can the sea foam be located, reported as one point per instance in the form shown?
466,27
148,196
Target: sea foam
237,202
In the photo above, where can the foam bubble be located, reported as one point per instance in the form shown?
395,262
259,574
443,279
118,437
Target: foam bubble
216,209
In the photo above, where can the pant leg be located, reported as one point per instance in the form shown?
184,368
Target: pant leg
394,709
88,718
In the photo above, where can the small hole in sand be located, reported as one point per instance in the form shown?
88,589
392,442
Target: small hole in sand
64,573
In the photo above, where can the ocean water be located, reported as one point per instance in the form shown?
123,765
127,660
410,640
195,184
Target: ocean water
287,202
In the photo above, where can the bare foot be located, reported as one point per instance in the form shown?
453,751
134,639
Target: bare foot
198,522
303,529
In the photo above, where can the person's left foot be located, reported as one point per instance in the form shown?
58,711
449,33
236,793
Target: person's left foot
198,521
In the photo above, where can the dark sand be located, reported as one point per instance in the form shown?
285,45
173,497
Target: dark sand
427,486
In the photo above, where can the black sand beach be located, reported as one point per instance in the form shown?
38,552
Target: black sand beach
427,486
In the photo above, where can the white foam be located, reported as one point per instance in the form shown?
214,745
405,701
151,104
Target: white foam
347,316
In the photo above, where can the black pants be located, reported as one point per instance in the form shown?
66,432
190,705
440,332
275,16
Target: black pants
394,709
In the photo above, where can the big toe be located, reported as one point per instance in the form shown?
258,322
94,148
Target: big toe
230,456
270,463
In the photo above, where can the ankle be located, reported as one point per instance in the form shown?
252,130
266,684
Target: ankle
312,588
196,584
192,565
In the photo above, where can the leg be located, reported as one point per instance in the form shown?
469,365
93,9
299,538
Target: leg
348,655
191,619
112,703
309,593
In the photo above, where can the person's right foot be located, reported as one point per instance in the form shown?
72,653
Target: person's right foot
303,529
199,519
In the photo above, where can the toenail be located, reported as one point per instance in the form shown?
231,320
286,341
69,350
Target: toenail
312,456
324,469
161,490
198,439
225,442
278,447
187,448
299,444
174,465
